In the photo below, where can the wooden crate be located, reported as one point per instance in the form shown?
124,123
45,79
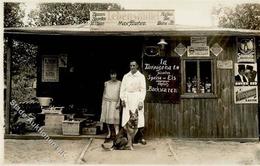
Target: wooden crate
89,130
71,127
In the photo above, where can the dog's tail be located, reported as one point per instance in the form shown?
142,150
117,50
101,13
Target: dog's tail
106,148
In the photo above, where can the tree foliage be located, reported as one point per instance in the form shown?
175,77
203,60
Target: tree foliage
66,13
244,16
13,15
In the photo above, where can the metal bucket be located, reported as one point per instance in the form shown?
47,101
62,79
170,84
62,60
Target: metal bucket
45,101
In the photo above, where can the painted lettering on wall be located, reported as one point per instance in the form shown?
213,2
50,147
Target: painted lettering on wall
162,75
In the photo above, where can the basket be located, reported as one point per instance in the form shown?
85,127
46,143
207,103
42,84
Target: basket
71,127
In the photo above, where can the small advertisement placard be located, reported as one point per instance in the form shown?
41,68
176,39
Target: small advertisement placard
198,41
245,74
197,51
246,49
50,69
245,94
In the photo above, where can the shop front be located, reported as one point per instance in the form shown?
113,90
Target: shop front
201,82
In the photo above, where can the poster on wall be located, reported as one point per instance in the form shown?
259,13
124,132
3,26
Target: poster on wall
63,60
162,78
245,94
245,74
245,49
50,69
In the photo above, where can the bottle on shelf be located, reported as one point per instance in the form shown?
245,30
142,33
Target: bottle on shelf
207,85
189,84
194,85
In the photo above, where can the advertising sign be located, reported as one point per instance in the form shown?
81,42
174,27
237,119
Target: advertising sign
50,69
198,41
246,49
202,51
245,94
245,74
216,49
180,49
132,20
163,79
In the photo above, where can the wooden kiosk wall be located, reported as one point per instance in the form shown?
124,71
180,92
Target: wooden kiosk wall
215,117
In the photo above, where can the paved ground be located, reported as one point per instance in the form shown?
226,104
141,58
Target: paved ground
157,151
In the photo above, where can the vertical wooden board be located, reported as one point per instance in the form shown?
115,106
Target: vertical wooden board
157,122
191,110
180,120
151,120
162,119
214,113
186,113
197,117
204,120
173,114
200,118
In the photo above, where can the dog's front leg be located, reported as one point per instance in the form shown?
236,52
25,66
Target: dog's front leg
129,142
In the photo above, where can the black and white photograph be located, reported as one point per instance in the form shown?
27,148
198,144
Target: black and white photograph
130,82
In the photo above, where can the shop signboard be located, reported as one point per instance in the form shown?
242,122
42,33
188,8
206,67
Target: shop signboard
132,20
163,79
246,49
50,69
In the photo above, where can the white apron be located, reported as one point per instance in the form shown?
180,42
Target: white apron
132,101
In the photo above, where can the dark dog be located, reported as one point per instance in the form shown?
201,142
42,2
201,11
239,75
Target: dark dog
124,139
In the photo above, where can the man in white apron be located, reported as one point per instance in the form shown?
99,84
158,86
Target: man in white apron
132,94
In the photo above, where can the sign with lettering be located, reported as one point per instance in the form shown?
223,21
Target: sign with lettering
202,51
245,94
132,20
50,69
198,41
163,79
246,49
224,64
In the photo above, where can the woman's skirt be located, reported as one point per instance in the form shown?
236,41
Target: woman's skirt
109,114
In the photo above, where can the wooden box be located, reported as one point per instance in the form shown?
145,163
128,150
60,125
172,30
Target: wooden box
71,127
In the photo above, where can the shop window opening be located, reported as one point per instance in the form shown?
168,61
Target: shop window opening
198,76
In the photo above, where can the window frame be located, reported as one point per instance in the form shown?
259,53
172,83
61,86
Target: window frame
185,94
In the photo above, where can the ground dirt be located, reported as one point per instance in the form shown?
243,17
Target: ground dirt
157,151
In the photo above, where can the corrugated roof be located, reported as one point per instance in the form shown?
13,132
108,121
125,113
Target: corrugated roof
85,30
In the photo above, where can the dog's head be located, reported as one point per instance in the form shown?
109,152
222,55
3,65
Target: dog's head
133,120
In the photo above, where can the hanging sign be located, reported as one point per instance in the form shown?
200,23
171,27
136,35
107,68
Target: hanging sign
163,79
216,49
132,20
50,69
180,49
246,49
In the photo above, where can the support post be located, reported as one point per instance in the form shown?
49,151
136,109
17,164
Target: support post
8,85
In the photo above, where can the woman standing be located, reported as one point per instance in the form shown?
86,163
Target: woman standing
111,104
